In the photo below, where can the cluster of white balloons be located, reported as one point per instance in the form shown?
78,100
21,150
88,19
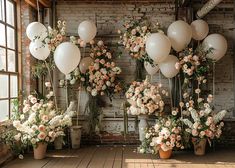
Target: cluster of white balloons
179,35
37,32
87,31
67,55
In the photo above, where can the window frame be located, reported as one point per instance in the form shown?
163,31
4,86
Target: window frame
16,50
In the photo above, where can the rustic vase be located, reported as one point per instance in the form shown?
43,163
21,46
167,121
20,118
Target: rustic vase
165,154
58,143
75,135
40,150
142,126
199,146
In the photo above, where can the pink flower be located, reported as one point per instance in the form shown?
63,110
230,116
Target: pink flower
48,84
45,118
33,100
102,61
194,132
195,58
177,65
41,128
41,136
100,43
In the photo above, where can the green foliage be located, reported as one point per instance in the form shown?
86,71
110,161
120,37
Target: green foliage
8,137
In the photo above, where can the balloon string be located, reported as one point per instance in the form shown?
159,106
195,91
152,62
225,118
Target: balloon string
160,79
170,94
52,84
175,91
38,11
213,85
180,89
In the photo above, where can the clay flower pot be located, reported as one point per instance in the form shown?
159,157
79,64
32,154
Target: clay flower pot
199,146
165,154
40,150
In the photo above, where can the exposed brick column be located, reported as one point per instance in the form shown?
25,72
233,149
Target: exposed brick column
28,15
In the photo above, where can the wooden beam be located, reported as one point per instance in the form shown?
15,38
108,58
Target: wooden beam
45,3
42,3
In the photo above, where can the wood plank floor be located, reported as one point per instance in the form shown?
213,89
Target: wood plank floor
124,157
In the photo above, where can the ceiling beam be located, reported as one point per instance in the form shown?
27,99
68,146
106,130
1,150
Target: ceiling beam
42,3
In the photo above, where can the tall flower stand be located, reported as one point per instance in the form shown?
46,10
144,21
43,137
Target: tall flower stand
199,146
40,150
142,126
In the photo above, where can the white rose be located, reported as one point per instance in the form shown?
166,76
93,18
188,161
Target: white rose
108,83
94,92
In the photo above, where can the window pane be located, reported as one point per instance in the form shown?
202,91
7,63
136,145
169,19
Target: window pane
4,86
2,59
2,11
13,108
11,61
2,35
4,111
10,38
10,13
14,86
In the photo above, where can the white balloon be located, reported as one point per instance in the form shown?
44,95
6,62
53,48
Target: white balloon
85,63
67,57
158,47
180,34
151,69
167,67
218,44
87,30
200,29
39,50
36,30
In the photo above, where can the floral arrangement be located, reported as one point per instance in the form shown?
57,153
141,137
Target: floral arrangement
40,122
145,98
203,122
55,37
11,137
101,76
165,134
194,64
134,37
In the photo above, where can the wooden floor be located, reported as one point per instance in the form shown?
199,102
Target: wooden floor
120,157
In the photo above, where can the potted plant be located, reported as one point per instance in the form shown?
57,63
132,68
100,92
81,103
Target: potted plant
40,123
204,125
163,137
145,99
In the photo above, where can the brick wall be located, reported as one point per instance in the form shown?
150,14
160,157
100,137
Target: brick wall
109,19
28,15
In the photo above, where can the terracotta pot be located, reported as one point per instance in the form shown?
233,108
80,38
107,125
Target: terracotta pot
199,146
165,154
40,151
